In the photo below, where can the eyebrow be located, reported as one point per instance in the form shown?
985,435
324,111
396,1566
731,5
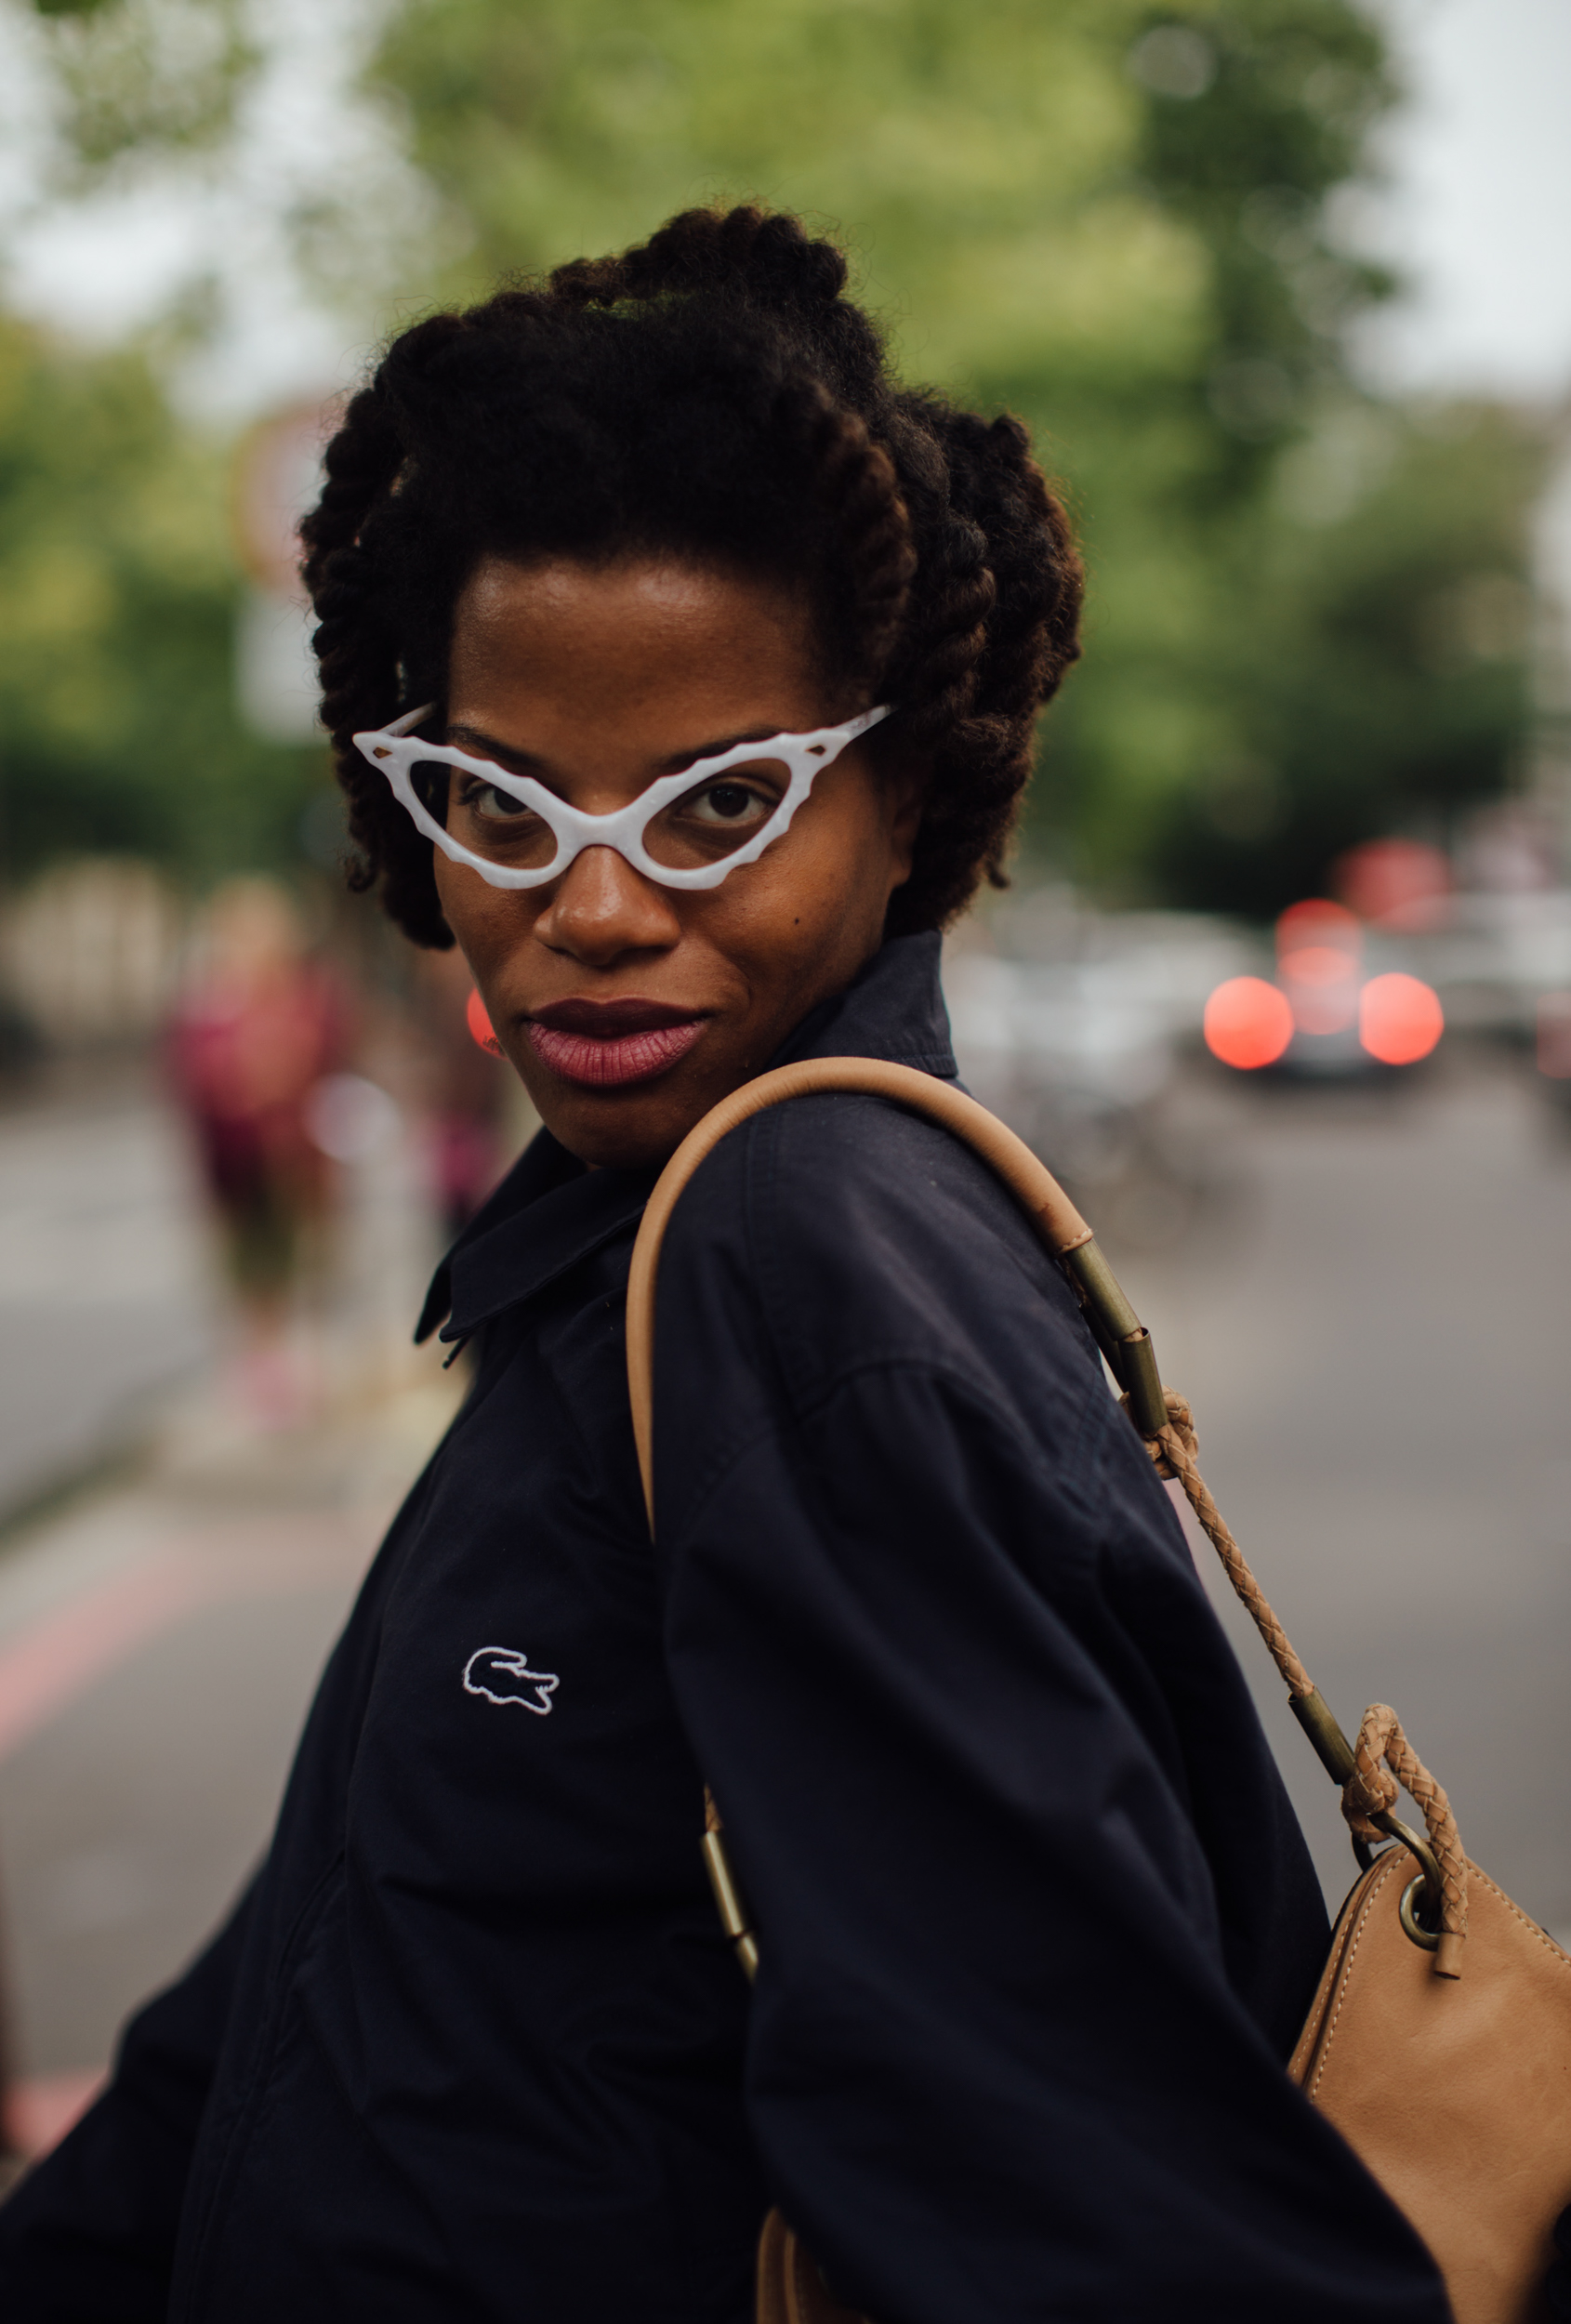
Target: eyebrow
464,736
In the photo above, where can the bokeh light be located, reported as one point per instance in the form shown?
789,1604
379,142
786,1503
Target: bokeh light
1321,983
1402,883
1317,921
1247,1023
1400,1019
480,1025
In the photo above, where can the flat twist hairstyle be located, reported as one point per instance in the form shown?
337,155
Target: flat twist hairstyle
712,393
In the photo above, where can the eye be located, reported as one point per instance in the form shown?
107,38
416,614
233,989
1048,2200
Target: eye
731,803
494,805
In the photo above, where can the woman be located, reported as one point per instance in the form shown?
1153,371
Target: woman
662,542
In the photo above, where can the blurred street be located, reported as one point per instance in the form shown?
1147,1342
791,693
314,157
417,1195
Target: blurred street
1370,1326
158,1645
162,1630
1363,1307
105,1294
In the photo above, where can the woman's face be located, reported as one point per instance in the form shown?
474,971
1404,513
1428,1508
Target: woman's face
629,1008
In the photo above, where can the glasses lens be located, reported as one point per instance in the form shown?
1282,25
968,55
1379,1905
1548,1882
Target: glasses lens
716,818
483,818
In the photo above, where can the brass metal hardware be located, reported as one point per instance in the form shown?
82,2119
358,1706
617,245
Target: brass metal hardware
1313,1715
1143,1383
1429,1880
1119,1333
1100,1332
1102,1289
1336,1757
1429,1940
735,1918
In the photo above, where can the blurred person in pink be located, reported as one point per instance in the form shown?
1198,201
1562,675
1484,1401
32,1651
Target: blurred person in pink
259,1026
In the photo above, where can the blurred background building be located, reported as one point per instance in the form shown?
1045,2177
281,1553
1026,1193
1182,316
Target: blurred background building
1283,987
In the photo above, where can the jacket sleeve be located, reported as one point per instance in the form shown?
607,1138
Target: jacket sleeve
996,2065
88,2236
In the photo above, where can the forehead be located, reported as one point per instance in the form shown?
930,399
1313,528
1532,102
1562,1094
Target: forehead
638,638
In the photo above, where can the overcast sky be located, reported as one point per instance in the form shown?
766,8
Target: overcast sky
1479,208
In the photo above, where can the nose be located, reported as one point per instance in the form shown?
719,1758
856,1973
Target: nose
603,910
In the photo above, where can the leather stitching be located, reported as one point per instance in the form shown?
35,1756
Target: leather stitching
1335,2015
1543,1936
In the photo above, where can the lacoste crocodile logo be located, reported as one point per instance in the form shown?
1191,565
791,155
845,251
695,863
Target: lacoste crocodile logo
503,1675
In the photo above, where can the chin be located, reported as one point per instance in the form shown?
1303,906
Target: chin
621,1130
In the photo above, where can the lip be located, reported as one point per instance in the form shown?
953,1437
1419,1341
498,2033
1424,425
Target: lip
609,1044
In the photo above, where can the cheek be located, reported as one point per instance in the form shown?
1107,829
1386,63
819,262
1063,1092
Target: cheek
487,923
844,869
816,899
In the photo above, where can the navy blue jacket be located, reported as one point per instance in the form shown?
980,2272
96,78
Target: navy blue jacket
1037,1924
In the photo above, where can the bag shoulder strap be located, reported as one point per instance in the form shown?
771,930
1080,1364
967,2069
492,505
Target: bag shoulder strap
1039,1193
1161,1417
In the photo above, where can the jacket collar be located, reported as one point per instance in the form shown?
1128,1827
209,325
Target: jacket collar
549,1211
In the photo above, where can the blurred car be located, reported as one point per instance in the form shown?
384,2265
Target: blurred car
1070,1023
1337,1006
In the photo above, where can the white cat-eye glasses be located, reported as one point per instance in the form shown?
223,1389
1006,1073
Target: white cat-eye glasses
687,830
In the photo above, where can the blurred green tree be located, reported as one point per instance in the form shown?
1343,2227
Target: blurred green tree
1115,220
1305,622
117,593
135,75
1373,675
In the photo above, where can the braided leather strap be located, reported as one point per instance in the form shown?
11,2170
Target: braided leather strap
1173,1453
1372,1788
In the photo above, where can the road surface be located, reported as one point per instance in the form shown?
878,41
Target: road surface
1370,1324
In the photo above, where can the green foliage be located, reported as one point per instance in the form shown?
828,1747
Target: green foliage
1109,217
979,161
1380,684
136,75
1247,159
118,592
1112,220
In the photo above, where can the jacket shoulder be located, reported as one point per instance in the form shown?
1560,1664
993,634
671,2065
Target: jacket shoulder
854,1229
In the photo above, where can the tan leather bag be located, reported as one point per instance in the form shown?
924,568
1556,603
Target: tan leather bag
1439,2043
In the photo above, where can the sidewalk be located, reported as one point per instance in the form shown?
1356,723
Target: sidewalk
160,1640
107,1293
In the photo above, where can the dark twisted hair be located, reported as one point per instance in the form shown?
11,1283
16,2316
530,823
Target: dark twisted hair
714,394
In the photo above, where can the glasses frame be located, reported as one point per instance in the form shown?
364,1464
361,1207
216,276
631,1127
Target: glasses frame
395,751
